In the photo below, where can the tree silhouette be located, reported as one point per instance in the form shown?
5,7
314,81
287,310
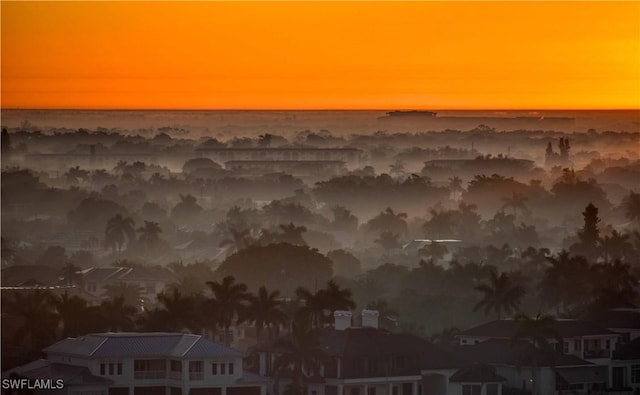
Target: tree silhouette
388,240
588,234
130,293
632,206
39,319
434,251
390,221
117,315
499,295
388,316
177,313
616,246
565,284
516,202
72,311
265,312
119,231
301,353
292,234
230,299
70,273
539,332
239,239
149,234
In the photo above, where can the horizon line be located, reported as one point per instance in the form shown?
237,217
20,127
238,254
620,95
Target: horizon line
418,109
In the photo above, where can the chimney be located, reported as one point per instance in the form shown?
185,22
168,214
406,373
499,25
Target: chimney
342,319
370,318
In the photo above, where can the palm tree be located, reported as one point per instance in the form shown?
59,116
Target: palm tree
178,312
264,311
516,202
70,273
329,299
149,234
336,298
119,230
539,333
388,316
39,318
616,246
239,239
130,294
72,311
312,310
632,206
397,169
566,282
499,295
229,298
117,314
301,353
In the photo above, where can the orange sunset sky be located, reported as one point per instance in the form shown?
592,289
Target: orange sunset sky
321,55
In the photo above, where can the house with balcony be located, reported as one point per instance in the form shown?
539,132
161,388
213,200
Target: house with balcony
144,364
151,281
367,360
582,339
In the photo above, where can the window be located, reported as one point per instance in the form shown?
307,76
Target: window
635,374
119,365
565,347
214,369
111,369
576,345
492,389
471,389
176,366
223,368
195,370
607,344
371,391
103,369
231,368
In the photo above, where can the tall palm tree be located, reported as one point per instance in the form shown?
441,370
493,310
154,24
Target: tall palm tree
72,311
632,206
130,294
539,332
328,300
516,202
499,295
120,230
264,311
181,309
301,354
230,299
149,234
616,246
565,284
70,273
117,315
388,316
39,318
239,239
388,220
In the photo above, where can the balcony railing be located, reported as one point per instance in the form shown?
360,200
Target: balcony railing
149,374
596,354
196,375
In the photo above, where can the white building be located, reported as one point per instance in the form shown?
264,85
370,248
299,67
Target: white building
144,364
